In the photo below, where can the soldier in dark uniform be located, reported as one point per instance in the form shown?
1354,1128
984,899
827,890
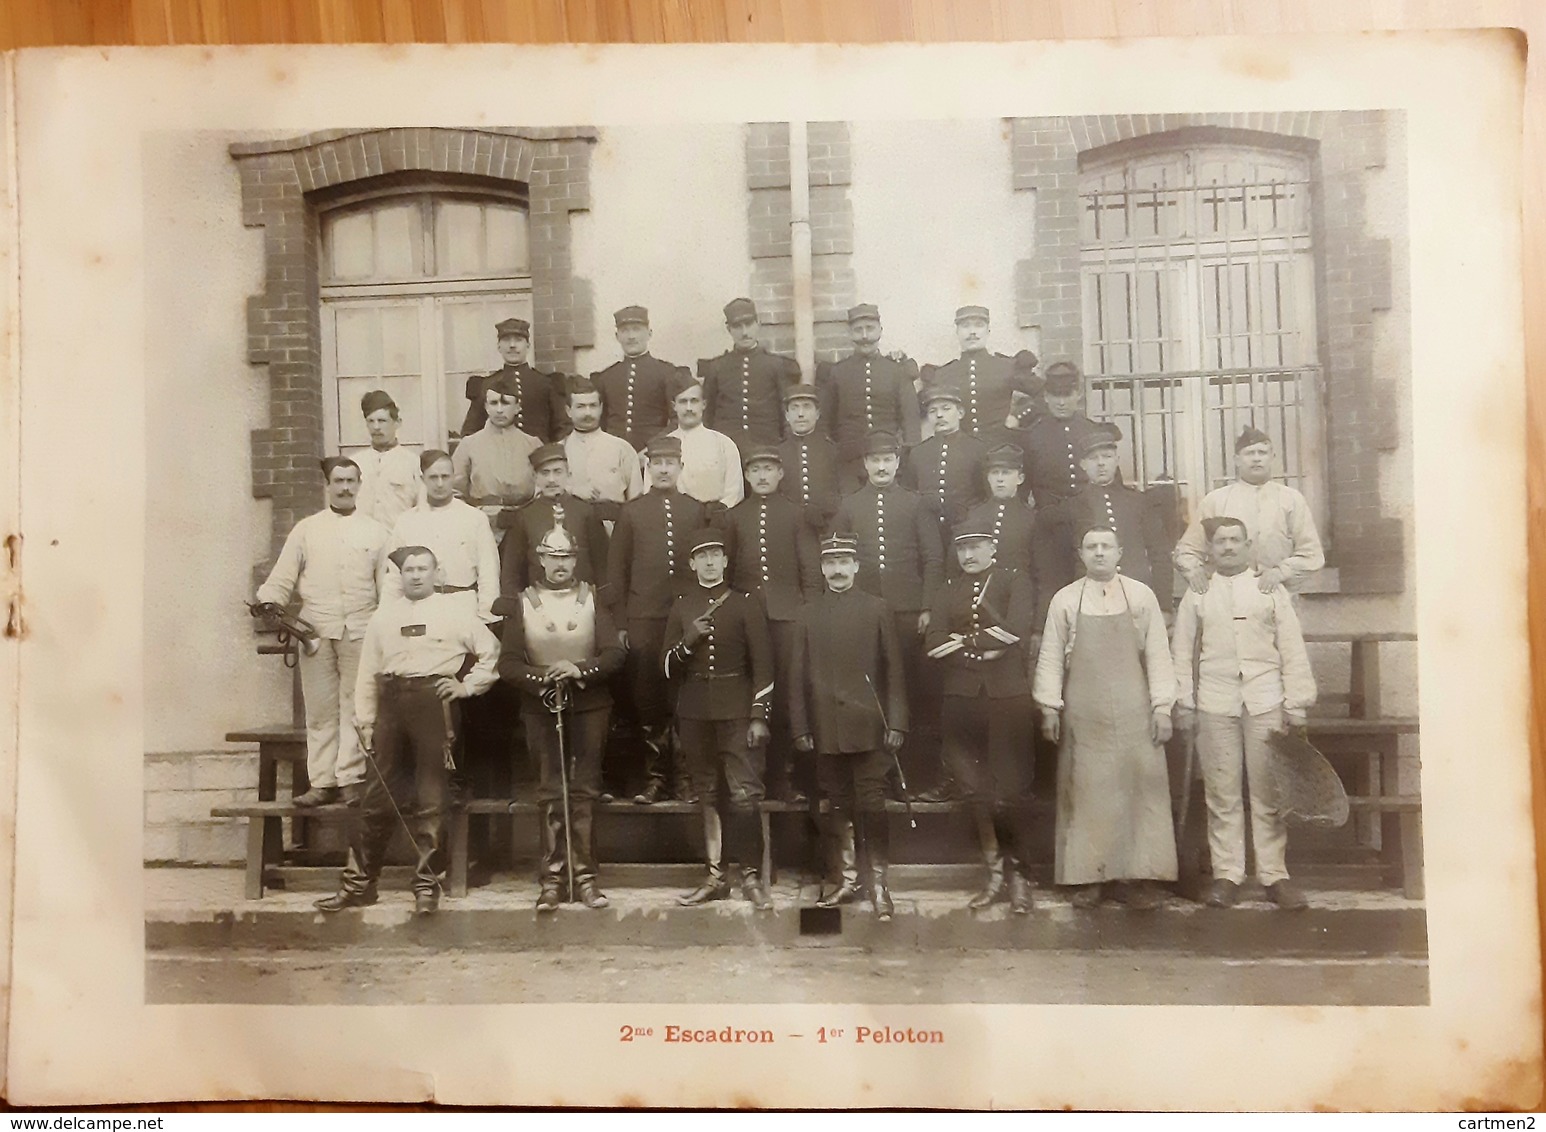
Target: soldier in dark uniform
559,648
743,388
809,457
717,644
988,382
636,392
773,558
1004,512
540,411
948,466
519,561
1104,501
978,637
848,703
647,568
866,392
899,560
1053,443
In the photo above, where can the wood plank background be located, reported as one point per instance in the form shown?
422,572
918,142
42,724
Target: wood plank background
57,23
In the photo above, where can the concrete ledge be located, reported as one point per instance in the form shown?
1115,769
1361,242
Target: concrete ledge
501,917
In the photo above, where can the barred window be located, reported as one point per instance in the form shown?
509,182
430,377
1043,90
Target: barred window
1198,277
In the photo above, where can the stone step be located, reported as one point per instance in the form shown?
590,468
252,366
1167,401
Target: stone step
207,911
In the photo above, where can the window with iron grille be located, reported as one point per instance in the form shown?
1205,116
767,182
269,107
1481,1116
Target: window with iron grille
1198,278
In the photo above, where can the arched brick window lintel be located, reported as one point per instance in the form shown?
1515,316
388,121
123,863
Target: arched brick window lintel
284,182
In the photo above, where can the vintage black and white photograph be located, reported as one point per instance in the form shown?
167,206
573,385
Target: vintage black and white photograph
893,561
972,576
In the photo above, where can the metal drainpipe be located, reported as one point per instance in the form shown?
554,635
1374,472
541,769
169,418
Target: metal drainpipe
800,251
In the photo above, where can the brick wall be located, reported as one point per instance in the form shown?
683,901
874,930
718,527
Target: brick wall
283,184
180,789
830,167
1354,287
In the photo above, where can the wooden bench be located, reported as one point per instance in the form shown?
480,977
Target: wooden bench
1378,742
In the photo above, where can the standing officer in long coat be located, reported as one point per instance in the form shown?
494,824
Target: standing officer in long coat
978,636
647,567
743,388
1106,685
900,560
717,645
848,703
773,558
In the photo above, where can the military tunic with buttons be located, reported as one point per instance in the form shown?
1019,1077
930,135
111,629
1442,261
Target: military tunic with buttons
743,394
1052,450
1014,525
636,397
647,567
519,566
863,394
811,477
900,556
988,383
1140,530
949,469
728,674
539,410
773,554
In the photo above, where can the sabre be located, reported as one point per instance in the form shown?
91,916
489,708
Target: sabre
907,798
555,698
387,789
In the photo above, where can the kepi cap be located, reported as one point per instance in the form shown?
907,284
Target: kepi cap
707,537
863,310
762,452
944,391
631,314
836,544
1105,435
1005,456
664,445
964,313
880,443
516,326
801,391
547,454
738,310
968,529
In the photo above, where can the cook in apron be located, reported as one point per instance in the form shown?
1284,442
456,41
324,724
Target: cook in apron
1113,809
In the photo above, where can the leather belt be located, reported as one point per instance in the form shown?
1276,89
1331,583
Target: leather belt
716,676
454,589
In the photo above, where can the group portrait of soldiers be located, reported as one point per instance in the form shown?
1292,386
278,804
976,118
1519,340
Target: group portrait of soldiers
893,582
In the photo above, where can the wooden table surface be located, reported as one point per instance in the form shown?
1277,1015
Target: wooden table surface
48,23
